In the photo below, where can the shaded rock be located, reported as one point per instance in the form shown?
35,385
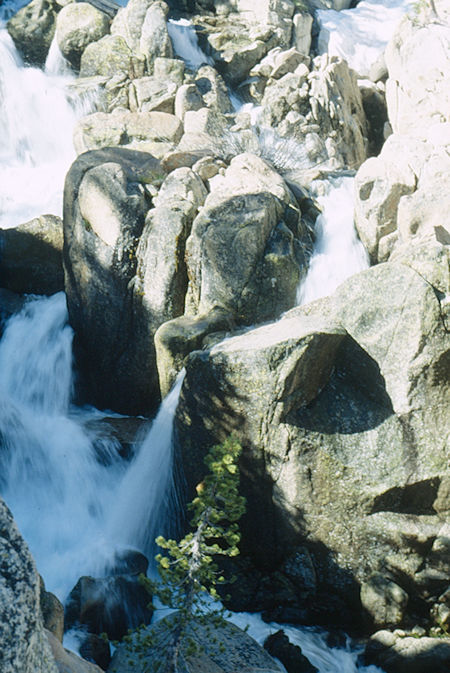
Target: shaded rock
408,655
52,612
31,256
384,601
10,303
110,605
290,655
32,29
78,24
97,650
176,338
229,649
24,645
104,215
258,279
68,662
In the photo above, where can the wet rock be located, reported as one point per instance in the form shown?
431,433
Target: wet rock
78,24
110,605
290,655
32,29
68,662
24,645
96,649
52,612
31,256
176,338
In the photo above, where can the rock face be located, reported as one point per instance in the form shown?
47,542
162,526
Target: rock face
402,195
334,404
104,215
24,646
31,256
229,650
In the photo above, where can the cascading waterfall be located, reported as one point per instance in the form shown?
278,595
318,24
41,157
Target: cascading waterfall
75,505
36,149
50,474
338,253
146,496
185,44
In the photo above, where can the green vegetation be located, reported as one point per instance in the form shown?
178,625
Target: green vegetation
188,570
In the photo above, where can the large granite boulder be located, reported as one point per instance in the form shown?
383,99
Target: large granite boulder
248,246
24,646
410,112
31,256
222,648
408,654
105,206
142,24
32,29
342,409
77,25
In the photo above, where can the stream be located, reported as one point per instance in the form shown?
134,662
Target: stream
77,505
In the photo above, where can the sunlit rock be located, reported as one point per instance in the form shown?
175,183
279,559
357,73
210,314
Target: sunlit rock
77,25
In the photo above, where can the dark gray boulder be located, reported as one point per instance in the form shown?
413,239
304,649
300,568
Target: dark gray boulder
31,256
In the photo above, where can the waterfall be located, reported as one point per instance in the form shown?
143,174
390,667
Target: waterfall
338,253
146,496
51,477
185,44
75,505
36,148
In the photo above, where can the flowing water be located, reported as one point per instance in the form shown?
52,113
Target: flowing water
338,253
38,115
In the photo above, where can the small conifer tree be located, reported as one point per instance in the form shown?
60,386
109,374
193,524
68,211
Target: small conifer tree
188,571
